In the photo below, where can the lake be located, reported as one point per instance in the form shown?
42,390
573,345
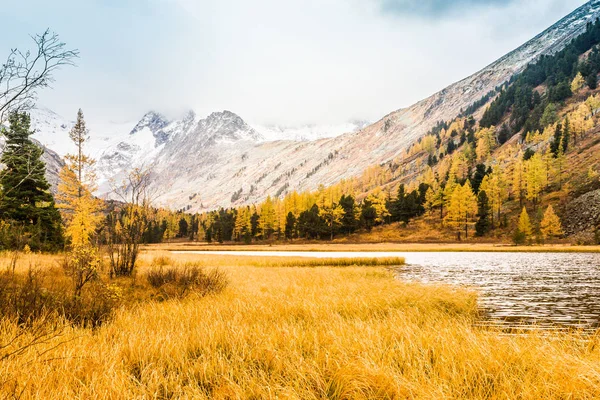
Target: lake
545,289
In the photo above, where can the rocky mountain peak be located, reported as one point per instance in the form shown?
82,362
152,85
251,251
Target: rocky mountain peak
152,120
225,126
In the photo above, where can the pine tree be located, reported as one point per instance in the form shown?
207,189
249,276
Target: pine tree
483,214
592,81
348,221
26,199
290,226
550,225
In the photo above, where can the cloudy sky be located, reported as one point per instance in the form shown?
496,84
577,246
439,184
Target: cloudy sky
270,61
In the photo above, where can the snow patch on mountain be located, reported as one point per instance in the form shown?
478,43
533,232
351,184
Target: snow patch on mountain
303,133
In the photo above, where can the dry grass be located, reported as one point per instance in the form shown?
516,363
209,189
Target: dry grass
301,333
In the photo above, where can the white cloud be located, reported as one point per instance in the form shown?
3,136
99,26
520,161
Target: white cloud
286,62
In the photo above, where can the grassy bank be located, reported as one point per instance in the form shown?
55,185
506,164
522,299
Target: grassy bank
294,332
360,247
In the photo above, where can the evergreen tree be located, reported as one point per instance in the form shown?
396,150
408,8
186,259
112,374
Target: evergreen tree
183,228
290,226
368,214
480,172
254,224
503,134
310,224
26,199
482,226
592,81
349,214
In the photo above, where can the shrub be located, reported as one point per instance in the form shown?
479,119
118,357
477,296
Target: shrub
180,281
519,237
30,298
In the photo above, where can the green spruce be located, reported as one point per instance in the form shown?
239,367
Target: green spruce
25,199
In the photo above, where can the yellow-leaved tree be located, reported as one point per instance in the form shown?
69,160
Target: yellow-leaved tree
462,209
524,223
535,178
577,82
80,209
550,225
267,218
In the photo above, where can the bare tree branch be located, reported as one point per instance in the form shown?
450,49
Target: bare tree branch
24,73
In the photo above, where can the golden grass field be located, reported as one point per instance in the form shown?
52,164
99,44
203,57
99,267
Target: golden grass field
289,332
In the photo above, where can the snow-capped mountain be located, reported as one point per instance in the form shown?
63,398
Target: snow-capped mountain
199,164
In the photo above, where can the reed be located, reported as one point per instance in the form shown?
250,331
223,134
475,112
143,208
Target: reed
298,333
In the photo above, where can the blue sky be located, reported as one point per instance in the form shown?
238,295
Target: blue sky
271,61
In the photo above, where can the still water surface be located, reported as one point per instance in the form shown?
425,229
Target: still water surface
547,289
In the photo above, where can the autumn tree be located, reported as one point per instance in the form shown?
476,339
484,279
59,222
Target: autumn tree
523,231
126,223
243,225
267,218
495,189
550,225
577,82
80,210
518,180
535,178
462,209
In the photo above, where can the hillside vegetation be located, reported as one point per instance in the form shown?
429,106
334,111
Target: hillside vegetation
505,169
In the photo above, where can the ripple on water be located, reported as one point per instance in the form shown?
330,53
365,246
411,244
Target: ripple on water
545,289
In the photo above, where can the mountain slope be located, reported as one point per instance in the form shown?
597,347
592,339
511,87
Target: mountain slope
208,176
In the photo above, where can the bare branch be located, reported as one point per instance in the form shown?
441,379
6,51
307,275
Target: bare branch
24,73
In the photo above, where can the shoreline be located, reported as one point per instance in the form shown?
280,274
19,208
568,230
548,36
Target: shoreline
376,247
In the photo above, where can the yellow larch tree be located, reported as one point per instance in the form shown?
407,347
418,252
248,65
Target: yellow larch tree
580,123
80,209
243,226
550,225
524,223
535,178
518,179
267,218
378,200
462,209
486,142
495,188
577,82
593,103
